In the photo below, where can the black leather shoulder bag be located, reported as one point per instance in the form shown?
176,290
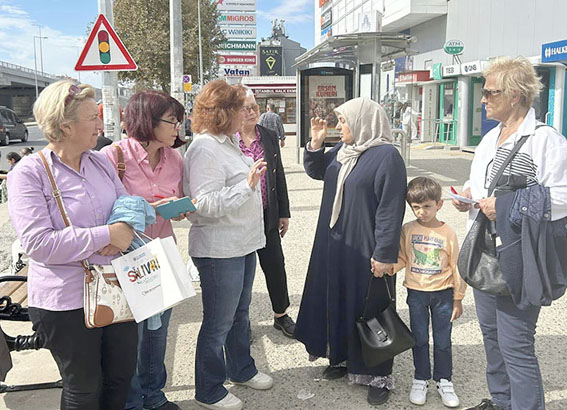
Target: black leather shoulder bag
384,336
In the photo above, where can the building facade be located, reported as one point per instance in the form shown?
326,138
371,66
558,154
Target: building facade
444,89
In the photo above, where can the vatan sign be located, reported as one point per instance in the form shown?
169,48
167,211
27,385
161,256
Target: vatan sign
556,51
454,47
234,5
104,51
237,19
271,61
239,32
234,71
237,59
238,45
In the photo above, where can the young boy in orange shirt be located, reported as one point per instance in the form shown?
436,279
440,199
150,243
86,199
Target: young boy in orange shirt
428,251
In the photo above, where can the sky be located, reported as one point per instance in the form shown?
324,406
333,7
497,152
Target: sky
64,23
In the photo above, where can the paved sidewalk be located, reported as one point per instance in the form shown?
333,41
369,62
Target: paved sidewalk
285,359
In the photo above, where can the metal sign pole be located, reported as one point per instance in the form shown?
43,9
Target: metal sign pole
111,105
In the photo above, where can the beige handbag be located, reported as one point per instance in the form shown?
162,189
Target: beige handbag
104,301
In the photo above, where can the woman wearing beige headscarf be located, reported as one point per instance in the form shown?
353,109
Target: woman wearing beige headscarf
358,232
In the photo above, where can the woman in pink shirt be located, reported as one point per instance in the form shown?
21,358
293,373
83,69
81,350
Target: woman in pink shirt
153,169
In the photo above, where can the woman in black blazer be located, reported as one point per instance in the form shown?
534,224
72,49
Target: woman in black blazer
260,142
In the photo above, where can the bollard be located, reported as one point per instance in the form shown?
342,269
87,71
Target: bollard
404,144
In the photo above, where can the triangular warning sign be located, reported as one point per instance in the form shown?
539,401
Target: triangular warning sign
104,50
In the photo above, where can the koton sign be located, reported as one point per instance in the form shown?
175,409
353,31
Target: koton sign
237,59
239,32
238,19
240,5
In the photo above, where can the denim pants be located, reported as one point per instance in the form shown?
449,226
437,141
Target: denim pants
226,285
150,377
512,369
439,306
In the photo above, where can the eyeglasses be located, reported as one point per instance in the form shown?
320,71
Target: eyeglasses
490,93
252,107
177,124
73,91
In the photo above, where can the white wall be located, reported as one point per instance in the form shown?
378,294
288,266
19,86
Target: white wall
492,28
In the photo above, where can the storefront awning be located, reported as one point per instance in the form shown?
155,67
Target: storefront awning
343,48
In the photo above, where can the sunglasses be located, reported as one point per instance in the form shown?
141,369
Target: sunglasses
490,93
73,91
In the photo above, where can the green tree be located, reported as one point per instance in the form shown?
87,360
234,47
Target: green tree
143,26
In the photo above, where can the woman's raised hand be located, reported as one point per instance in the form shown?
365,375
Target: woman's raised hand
318,132
256,171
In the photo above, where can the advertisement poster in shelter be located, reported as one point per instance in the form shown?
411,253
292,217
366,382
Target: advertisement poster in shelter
325,94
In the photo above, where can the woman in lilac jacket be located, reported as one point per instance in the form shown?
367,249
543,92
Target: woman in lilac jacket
96,365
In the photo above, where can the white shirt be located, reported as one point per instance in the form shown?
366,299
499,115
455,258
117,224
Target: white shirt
542,158
229,221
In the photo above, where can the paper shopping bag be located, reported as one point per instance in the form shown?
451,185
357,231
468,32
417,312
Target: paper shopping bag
153,278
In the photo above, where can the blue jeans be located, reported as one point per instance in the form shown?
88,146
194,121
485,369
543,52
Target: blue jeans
227,291
150,377
512,369
439,306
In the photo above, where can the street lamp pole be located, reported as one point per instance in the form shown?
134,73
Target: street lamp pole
200,46
35,68
40,48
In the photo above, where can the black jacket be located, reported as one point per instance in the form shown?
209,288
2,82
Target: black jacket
278,201
532,256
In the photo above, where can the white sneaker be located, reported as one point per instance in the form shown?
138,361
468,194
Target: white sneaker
447,393
259,382
228,402
418,394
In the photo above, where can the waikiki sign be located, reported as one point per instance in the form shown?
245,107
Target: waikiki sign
454,47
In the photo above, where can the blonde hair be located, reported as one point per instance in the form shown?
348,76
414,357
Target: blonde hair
516,75
51,112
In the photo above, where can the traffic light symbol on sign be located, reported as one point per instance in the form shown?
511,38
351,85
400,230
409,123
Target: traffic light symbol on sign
103,47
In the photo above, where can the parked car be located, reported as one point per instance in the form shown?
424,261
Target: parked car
11,127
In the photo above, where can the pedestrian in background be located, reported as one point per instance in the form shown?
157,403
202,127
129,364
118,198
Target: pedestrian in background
26,151
226,231
358,231
507,323
153,169
258,142
271,120
428,251
96,365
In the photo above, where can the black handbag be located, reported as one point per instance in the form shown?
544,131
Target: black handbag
478,259
385,336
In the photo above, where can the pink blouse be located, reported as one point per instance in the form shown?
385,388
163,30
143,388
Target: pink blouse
139,179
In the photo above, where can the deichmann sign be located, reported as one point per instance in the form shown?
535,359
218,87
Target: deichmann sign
237,59
454,47
238,19
239,45
556,51
240,5
239,32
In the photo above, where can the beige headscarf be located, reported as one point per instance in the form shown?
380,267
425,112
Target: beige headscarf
370,127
